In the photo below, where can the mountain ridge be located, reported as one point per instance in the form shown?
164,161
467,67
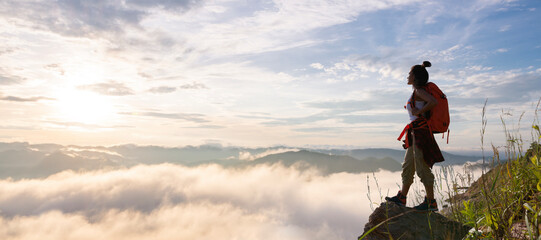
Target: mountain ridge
24,160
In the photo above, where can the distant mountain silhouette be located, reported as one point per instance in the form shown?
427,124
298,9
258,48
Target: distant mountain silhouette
22,160
398,155
329,163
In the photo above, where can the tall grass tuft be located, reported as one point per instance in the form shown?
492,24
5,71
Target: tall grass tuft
504,203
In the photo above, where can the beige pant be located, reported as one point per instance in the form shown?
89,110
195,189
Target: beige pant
414,162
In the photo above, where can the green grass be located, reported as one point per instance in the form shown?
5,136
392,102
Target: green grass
504,203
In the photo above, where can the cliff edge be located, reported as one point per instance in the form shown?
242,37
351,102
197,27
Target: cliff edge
390,221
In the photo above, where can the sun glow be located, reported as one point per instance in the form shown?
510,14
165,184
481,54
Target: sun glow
84,107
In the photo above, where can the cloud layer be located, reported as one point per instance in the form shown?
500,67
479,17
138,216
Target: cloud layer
170,202
82,18
294,72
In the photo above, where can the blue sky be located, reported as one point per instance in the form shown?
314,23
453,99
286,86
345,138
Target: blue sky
261,73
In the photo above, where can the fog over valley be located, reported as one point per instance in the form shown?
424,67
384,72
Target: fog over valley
195,192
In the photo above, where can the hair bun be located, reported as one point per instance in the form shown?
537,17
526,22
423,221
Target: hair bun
426,64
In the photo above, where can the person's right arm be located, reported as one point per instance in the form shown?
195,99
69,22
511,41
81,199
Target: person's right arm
431,102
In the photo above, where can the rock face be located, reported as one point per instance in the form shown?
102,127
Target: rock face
399,222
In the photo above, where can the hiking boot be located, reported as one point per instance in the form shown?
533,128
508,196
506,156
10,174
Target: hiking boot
427,205
398,199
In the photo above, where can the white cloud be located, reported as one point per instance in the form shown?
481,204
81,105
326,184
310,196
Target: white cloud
286,25
191,117
8,78
87,19
505,28
111,88
24,99
162,89
356,68
194,85
169,199
449,54
208,202
247,156
317,65
479,68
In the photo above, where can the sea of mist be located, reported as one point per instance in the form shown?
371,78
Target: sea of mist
210,201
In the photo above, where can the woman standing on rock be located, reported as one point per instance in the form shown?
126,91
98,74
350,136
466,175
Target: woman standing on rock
422,151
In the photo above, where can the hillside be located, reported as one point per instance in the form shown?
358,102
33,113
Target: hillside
329,163
23,160
397,155
505,202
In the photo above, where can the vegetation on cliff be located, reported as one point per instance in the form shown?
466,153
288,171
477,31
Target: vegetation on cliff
504,203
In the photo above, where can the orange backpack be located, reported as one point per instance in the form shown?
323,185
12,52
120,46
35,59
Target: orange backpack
438,117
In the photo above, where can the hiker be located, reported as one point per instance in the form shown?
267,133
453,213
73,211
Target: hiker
422,151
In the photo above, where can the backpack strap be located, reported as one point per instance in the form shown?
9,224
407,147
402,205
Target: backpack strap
411,101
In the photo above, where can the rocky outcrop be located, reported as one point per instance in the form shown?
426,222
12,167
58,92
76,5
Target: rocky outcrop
397,222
